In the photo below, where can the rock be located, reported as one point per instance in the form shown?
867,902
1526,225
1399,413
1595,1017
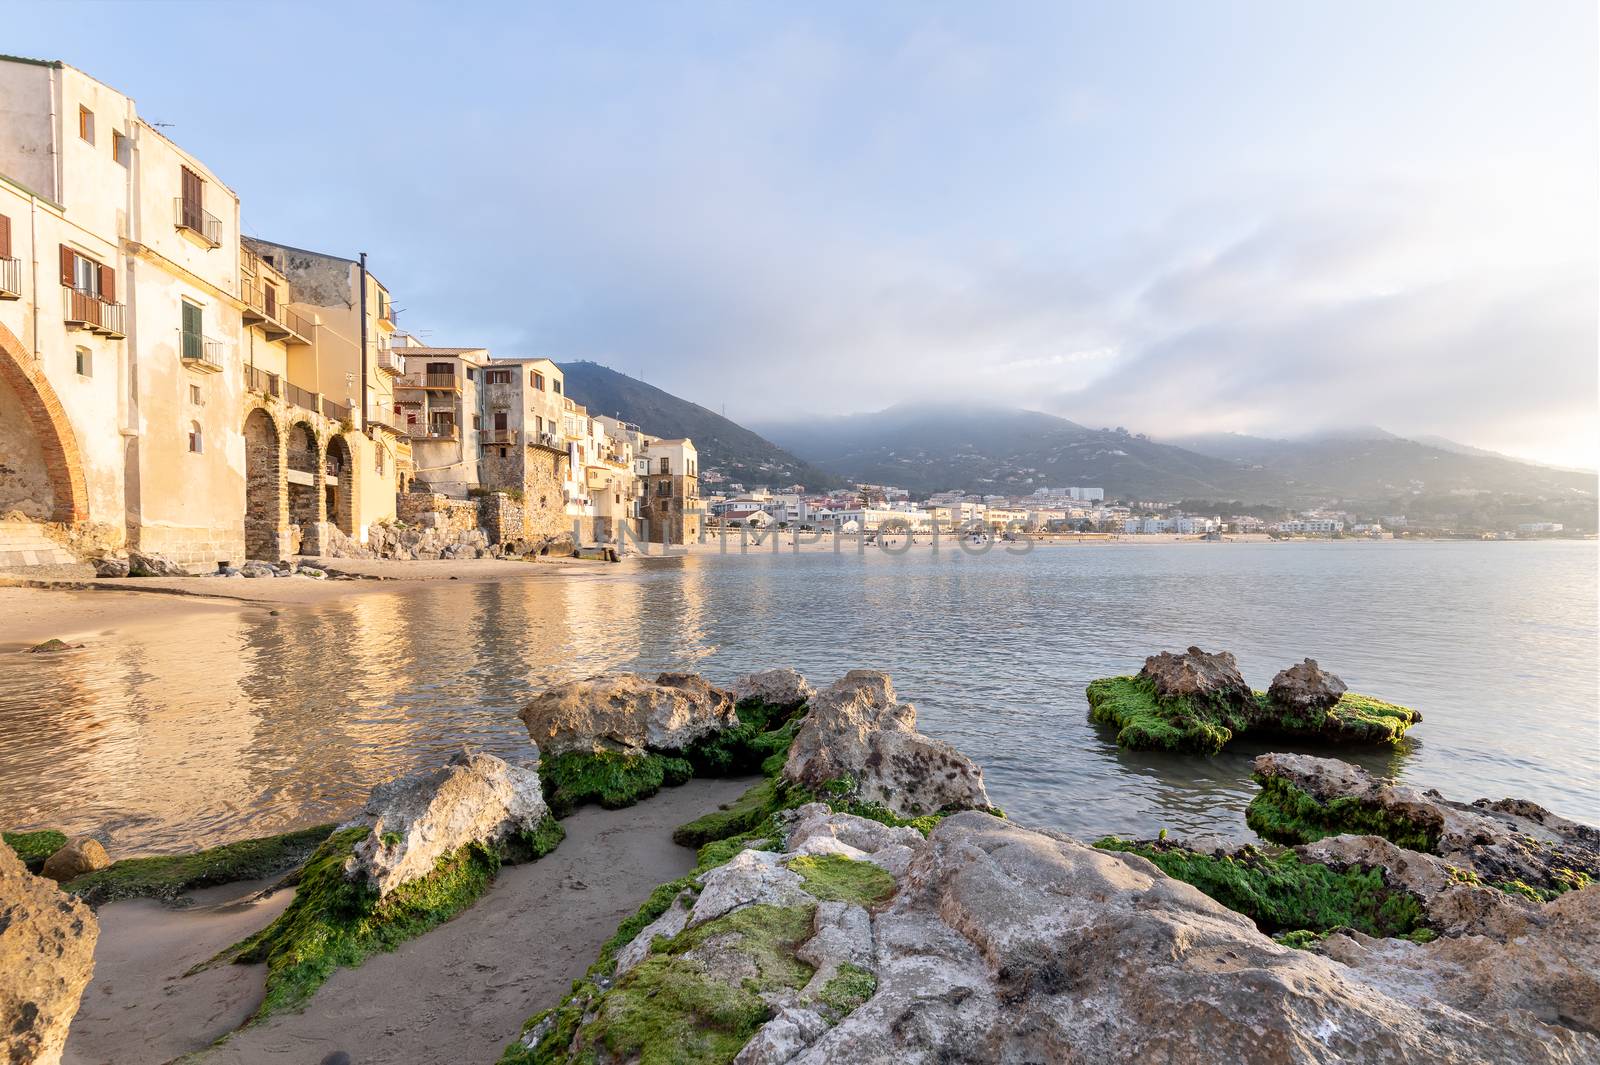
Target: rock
1196,674
1305,687
46,958
418,819
256,569
82,854
628,713
856,730
311,571
110,566
1006,944
51,646
141,564
781,689
1512,843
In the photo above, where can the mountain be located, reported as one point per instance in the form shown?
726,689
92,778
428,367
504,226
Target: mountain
930,448
724,446
1377,465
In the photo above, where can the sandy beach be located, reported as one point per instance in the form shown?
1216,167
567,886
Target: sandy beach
458,993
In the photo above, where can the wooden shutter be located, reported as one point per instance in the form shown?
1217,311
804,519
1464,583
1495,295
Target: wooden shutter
191,189
108,284
67,257
5,237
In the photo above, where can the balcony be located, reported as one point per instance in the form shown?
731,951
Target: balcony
267,384
497,436
200,352
552,441
448,381
435,431
381,416
336,412
10,279
194,220
303,398
390,362
86,310
263,307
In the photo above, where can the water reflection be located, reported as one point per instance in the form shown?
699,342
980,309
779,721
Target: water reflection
207,728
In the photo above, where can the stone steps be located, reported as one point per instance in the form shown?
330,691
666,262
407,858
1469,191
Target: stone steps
25,546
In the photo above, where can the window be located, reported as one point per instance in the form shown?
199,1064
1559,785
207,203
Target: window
500,420
536,379
555,386
196,444
193,346
121,149
445,369
85,362
666,465
192,204
5,237
477,421
86,124
499,377
196,397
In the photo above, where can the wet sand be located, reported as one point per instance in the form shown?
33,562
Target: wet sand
458,994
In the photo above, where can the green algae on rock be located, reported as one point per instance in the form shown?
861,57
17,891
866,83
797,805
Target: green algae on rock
336,922
34,847
1283,813
1283,894
1147,720
835,878
170,877
612,779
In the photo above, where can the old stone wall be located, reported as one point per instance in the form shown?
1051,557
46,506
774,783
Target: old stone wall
433,510
24,478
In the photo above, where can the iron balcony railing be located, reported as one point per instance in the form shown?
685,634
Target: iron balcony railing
10,279
303,398
262,305
268,384
435,431
87,310
430,380
391,363
498,436
199,221
337,412
200,351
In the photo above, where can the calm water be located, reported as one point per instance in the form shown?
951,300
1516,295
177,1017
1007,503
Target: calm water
221,726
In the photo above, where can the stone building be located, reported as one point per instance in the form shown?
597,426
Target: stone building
438,401
670,505
120,323
526,454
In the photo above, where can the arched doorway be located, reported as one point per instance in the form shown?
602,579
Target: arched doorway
41,471
265,502
339,481
304,459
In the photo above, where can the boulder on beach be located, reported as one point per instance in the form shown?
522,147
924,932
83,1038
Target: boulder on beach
474,798
856,731
80,855
627,713
110,566
1511,844
846,941
1198,701
781,689
46,958
143,564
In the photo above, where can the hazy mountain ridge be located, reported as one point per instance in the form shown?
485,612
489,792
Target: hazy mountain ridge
723,445
1002,450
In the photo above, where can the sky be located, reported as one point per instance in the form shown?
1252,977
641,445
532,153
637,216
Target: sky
1180,217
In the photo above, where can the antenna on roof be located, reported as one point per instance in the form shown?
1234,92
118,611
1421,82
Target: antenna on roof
163,125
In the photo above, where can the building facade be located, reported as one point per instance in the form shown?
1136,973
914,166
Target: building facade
670,507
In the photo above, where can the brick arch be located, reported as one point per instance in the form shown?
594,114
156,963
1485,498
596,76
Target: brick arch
266,512
63,462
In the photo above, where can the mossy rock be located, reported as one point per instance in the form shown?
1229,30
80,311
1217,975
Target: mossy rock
742,815
1284,813
171,877
612,779
850,986
1145,720
1283,894
335,922
34,847
762,735
835,878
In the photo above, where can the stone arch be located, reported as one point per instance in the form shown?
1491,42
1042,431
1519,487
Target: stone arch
303,472
266,487
45,425
339,481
